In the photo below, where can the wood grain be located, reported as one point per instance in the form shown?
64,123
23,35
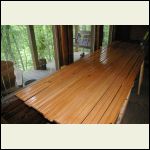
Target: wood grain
92,90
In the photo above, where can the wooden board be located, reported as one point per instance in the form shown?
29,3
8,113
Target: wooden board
92,90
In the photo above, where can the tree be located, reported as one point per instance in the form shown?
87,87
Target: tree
15,44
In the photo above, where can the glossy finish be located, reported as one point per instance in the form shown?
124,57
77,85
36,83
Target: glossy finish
92,90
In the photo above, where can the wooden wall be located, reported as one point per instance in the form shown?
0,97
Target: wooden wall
132,33
129,32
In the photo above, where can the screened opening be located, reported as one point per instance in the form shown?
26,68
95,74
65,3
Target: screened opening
15,46
81,40
17,67
106,32
45,44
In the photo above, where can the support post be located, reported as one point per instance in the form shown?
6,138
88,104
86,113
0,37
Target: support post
110,34
56,51
76,34
92,37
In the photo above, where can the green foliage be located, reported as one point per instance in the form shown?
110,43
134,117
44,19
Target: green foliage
85,27
44,40
15,44
105,35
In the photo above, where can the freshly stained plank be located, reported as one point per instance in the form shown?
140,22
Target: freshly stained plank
61,85
44,83
91,90
39,86
113,111
74,110
97,113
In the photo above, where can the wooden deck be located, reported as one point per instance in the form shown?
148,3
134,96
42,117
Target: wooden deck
92,90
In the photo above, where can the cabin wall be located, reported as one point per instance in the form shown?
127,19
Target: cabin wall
132,33
137,32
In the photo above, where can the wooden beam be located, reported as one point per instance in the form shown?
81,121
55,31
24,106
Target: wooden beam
113,32
76,34
56,51
92,37
110,34
33,47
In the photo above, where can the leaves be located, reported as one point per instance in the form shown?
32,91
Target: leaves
105,35
15,44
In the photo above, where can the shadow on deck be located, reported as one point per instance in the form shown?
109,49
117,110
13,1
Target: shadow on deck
14,111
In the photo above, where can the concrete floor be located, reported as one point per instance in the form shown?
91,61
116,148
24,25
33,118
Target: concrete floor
38,74
77,55
137,111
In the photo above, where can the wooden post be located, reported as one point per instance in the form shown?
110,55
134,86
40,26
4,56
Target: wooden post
141,77
110,34
113,32
92,37
33,47
76,34
56,51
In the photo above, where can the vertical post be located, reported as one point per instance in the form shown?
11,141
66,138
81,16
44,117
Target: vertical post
76,34
110,34
98,36
113,32
141,77
56,51
92,37
33,47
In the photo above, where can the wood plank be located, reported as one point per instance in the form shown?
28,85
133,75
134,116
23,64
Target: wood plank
59,84
106,100
42,84
85,103
92,90
112,113
62,96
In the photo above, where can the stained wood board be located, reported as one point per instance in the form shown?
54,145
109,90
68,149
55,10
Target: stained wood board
91,90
